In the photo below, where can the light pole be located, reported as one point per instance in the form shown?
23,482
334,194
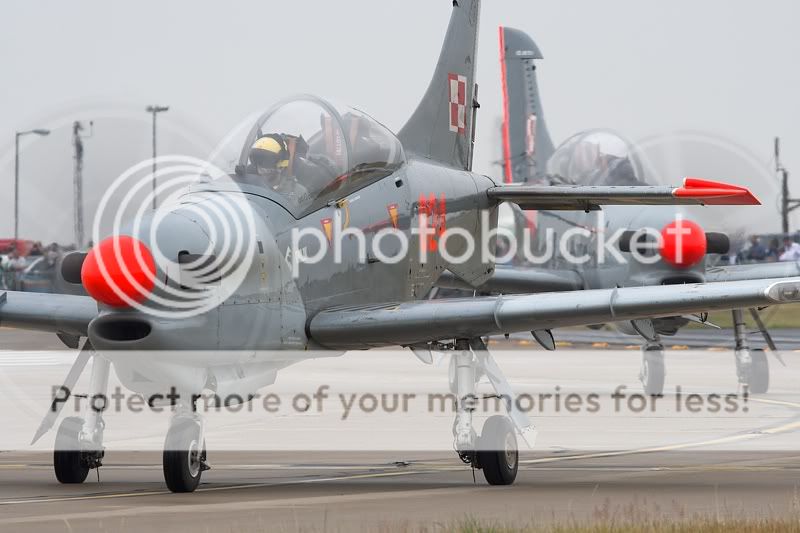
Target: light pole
19,134
154,110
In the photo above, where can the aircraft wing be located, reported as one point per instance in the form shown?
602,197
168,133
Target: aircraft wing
57,313
591,197
412,323
519,281
753,271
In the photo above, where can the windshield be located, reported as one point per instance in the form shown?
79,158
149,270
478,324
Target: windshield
596,157
311,152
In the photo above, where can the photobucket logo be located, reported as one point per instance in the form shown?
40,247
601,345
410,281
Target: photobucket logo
201,245
680,243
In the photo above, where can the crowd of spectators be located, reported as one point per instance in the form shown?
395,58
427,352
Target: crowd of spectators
775,250
18,259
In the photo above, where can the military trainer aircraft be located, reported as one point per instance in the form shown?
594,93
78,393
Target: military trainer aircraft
601,157
336,169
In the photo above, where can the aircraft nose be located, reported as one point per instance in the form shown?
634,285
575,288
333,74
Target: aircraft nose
119,271
683,243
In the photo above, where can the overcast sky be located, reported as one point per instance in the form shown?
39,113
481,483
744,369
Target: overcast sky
725,70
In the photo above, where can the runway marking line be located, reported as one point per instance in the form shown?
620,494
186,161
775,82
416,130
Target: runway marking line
784,428
223,487
184,507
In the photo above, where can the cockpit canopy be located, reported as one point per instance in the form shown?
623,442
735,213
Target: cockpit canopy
596,157
330,151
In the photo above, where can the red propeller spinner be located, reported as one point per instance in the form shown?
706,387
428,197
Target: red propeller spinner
683,243
128,269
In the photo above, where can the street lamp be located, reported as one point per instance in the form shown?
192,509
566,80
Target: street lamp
37,131
154,110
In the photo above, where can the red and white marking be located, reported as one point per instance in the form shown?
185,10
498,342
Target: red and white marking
458,102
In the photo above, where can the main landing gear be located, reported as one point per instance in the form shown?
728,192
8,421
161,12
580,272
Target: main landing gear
652,373
495,451
184,459
79,441
752,366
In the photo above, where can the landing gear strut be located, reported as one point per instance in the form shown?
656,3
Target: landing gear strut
652,372
79,441
752,366
495,451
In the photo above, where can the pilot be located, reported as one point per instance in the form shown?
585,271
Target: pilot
269,158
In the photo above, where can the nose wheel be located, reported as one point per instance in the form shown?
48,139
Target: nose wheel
184,459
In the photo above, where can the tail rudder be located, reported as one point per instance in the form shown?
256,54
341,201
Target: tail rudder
526,141
441,126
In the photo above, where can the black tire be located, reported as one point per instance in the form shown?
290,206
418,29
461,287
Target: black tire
497,454
182,456
758,377
68,461
653,372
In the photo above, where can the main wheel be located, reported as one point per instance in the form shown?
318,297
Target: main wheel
184,456
497,454
652,375
758,377
68,461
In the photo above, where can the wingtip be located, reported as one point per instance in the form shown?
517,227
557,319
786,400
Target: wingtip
715,192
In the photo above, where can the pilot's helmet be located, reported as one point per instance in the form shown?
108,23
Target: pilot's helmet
269,154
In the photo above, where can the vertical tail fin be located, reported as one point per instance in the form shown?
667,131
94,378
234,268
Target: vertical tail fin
441,126
526,141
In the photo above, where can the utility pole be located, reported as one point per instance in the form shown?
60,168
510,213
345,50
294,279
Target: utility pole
155,110
77,180
787,204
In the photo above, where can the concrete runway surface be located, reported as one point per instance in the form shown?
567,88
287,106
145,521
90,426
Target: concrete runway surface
757,474
297,492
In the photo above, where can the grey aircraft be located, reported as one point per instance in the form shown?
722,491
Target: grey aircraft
335,169
603,158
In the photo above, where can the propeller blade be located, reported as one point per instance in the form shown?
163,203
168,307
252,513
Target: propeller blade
767,337
69,384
